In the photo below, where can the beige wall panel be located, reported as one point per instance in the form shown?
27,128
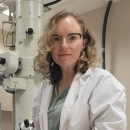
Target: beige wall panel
6,123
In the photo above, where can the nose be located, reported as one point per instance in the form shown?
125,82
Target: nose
64,43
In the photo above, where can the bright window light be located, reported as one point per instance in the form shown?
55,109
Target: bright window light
6,12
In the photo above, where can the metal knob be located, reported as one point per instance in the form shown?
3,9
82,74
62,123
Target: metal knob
2,61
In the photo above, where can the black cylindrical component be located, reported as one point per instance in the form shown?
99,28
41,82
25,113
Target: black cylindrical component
104,32
33,125
26,123
2,61
30,31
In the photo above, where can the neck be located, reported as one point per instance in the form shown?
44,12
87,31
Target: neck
67,78
67,73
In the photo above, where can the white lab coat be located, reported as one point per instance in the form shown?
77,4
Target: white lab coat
95,101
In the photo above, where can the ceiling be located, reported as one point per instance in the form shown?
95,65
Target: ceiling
79,6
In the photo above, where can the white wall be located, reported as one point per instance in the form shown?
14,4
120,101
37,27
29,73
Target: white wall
117,41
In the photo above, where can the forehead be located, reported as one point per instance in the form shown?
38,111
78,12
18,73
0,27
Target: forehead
67,24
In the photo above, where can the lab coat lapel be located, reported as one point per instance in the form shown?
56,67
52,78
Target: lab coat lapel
70,99
75,88
46,98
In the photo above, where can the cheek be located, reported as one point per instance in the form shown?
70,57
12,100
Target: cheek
76,52
79,48
54,52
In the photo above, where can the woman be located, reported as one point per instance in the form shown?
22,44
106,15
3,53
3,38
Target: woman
75,94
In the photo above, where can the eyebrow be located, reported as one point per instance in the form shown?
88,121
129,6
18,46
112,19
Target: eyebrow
67,35
56,35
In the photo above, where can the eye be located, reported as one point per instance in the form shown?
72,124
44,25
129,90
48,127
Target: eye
57,39
72,37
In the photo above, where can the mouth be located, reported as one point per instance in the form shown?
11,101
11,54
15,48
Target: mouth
64,55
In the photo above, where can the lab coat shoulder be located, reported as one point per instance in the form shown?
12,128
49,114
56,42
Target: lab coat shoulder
38,98
104,80
38,101
107,102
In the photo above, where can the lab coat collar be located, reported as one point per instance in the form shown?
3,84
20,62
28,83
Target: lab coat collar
70,100
89,72
77,83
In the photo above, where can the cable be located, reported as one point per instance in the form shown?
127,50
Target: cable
8,33
5,44
104,32
51,3
3,34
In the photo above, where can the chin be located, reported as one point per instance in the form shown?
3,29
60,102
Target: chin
67,64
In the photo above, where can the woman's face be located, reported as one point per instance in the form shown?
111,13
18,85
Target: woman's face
67,53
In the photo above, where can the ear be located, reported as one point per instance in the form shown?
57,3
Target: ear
85,41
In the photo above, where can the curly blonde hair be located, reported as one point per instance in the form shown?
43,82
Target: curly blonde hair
88,57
